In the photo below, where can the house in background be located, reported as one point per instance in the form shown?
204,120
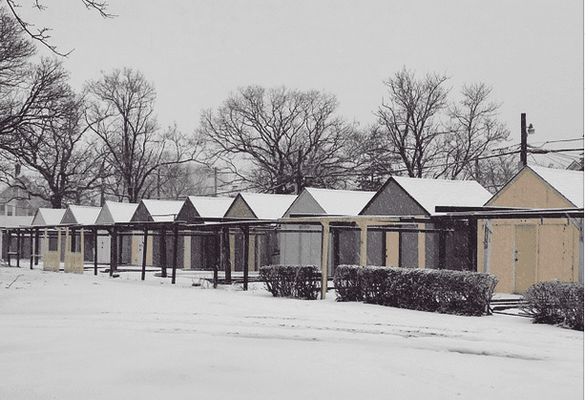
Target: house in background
443,243
301,244
523,252
16,202
202,249
263,242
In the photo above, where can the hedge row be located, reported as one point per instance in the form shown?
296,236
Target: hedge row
443,291
303,282
556,303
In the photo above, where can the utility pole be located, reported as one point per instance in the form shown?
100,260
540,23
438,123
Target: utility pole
524,139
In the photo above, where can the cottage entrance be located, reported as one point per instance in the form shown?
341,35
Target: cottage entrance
525,252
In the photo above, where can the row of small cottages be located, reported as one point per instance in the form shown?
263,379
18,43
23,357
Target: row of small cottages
519,251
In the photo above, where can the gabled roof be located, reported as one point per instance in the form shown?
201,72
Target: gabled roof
157,210
262,206
48,216
112,212
429,193
331,201
81,215
206,206
568,183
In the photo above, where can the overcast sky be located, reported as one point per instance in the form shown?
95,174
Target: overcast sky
196,52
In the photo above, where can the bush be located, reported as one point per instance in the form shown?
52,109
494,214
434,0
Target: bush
346,282
444,291
555,303
303,282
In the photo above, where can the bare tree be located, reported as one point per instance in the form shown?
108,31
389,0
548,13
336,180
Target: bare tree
177,181
42,35
15,51
279,140
495,171
407,125
52,143
474,132
121,114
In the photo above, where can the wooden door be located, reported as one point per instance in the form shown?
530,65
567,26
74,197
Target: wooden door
525,250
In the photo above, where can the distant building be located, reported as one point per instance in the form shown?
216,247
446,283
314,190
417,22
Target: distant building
16,202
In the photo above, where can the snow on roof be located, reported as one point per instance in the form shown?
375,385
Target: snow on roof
430,193
83,215
113,211
163,210
48,216
268,206
341,202
11,221
567,183
211,206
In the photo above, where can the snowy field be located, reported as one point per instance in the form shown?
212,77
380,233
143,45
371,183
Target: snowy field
66,336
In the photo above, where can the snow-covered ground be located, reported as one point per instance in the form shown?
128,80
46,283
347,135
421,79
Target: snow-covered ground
65,336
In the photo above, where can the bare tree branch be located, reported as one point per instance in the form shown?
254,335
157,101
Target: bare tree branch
288,139
42,35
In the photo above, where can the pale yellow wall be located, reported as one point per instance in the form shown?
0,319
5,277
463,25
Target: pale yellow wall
502,256
556,247
557,239
392,248
421,247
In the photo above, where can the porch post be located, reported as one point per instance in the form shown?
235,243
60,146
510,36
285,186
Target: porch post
144,252
246,230
324,256
363,242
113,251
175,251
225,253
95,251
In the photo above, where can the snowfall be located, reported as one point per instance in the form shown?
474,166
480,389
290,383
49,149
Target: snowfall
68,336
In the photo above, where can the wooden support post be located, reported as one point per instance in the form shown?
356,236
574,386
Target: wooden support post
175,251
120,248
113,251
324,256
225,253
18,245
472,245
36,250
246,230
363,243
32,248
73,240
442,248
95,251
8,244
163,253
144,252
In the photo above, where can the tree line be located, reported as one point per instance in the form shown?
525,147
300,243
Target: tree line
105,141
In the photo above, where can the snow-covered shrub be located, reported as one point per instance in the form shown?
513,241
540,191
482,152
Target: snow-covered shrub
556,303
444,291
298,281
347,284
